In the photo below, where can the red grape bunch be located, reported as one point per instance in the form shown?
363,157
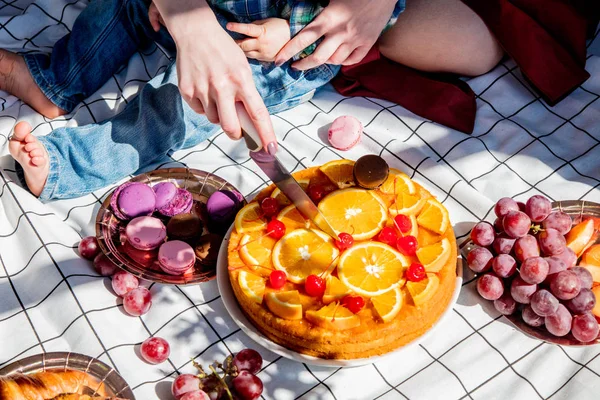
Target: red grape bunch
235,379
525,265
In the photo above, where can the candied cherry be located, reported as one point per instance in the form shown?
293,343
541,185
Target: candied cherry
345,241
388,236
316,192
416,272
314,286
353,303
407,245
277,279
276,229
403,223
269,206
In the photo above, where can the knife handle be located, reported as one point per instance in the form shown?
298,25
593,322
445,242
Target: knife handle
249,132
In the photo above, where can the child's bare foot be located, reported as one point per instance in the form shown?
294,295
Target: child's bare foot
16,80
31,154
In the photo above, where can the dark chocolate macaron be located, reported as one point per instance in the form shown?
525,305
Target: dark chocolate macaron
207,249
186,227
370,171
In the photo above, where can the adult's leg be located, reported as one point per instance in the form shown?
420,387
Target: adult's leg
71,162
104,36
441,36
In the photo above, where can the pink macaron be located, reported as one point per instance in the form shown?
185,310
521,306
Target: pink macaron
175,257
345,132
145,233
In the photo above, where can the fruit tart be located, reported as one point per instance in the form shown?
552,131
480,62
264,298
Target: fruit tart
386,279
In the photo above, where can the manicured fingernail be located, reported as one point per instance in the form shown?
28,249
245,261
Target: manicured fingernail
272,148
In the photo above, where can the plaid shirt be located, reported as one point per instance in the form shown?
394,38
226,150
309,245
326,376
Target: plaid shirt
299,13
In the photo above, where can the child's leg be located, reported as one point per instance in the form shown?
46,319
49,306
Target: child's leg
88,158
105,35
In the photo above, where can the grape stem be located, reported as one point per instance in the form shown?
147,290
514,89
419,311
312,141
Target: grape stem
216,374
536,229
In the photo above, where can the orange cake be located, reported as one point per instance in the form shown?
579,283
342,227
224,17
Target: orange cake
379,293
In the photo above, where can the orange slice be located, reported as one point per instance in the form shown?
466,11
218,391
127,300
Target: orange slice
249,219
388,305
334,290
256,249
590,260
423,290
282,199
580,235
333,317
356,211
434,217
372,268
397,183
292,219
253,286
340,172
304,252
434,256
284,304
407,204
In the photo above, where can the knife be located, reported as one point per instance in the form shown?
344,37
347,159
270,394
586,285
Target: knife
280,176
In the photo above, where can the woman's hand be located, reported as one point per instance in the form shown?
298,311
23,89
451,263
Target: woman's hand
350,28
212,70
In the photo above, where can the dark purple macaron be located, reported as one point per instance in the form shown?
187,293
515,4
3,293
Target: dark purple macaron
165,192
223,205
181,203
136,199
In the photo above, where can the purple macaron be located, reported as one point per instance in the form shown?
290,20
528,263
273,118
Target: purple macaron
136,199
223,205
165,192
181,203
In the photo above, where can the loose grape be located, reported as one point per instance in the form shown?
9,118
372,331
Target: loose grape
558,220
522,291
480,259
526,247
503,244
585,327
490,287
565,285
504,265
516,224
88,247
183,384
504,205
155,350
137,302
559,323
543,303
582,303
551,242
538,208
569,257
195,395
534,270
124,282
248,386
104,266
248,360
585,277
505,305
483,234
531,318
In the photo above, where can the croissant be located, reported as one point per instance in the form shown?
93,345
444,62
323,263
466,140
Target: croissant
44,385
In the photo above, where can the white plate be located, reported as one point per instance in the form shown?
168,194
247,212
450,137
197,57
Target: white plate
249,329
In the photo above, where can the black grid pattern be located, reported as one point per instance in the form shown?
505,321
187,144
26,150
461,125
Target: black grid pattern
50,300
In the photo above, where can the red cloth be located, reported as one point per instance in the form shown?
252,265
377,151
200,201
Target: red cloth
546,38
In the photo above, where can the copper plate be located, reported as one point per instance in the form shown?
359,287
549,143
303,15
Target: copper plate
61,361
577,209
108,227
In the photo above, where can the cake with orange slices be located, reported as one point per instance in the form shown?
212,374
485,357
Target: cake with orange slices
386,279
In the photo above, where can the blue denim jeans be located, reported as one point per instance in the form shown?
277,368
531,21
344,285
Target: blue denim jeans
105,35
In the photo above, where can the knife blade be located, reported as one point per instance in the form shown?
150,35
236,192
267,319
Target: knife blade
280,176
